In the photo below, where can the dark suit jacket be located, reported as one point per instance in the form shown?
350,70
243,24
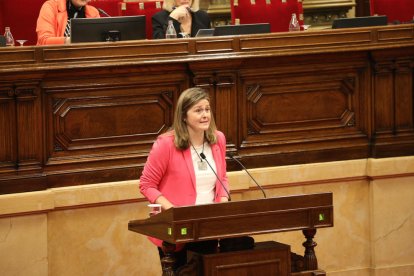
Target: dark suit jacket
160,23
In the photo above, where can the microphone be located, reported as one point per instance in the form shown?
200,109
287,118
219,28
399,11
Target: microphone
202,155
103,12
244,168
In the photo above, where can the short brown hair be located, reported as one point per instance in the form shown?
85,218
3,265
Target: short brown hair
186,101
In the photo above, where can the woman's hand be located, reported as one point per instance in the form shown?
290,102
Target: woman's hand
181,13
165,203
224,199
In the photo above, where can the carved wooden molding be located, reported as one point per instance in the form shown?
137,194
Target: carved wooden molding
298,110
319,4
321,13
178,53
317,13
6,93
26,93
101,123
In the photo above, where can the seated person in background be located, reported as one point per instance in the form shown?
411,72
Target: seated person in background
53,26
186,17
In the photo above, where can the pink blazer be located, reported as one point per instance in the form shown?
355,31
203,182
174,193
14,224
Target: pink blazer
169,171
52,21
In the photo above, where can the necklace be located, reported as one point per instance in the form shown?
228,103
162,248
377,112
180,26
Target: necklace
202,166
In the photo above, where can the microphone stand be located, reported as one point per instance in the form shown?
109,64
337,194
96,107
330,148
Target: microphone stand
244,168
202,155
103,12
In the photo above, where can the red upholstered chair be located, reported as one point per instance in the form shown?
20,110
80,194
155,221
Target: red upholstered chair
147,8
22,21
276,12
401,10
108,6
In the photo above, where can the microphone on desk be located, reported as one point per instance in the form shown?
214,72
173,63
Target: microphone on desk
103,12
203,156
244,168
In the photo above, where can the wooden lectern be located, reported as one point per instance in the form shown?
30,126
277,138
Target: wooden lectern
241,218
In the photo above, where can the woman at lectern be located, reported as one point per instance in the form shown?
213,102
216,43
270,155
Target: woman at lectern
53,23
187,165
185,15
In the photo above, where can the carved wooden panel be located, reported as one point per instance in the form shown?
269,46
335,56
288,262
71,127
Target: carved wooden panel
266,258
393,99
221,85
321,13
304,103
29,126
383,100
8,157
107,120
20,117
404,88
321,104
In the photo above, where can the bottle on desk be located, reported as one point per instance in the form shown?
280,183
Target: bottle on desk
170,32
294,24
9,37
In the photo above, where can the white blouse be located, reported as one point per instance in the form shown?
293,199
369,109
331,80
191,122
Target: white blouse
205,179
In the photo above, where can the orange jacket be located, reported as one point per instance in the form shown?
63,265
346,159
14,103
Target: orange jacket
52,21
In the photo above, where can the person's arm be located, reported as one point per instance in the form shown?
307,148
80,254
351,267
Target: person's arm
154,171
49,20
181,13
46,26
182,20
159,26
221,140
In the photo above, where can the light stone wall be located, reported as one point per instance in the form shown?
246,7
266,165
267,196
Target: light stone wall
82,230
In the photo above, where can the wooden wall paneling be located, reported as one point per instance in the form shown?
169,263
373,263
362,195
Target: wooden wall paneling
404,94
383,98
393,102
107,122
321,13
222,84
8,128
226,107
285,103
364,85
21,141
280,98
29,126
